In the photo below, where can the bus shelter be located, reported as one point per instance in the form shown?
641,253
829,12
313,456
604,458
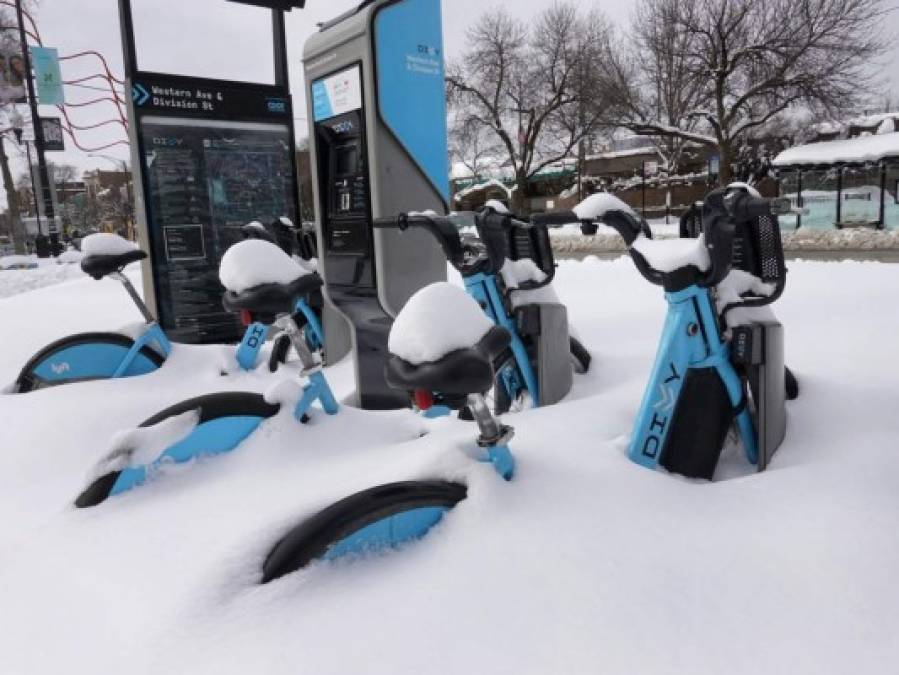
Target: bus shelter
842,183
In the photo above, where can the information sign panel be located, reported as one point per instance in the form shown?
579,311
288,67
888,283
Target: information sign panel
204,180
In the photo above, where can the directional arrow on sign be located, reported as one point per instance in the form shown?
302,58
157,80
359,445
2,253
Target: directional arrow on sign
139,94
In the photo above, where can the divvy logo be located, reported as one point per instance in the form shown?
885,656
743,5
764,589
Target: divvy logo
60,368
428,50
277,105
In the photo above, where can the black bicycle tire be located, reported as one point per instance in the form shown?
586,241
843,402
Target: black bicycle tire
25,382
312,538
211,407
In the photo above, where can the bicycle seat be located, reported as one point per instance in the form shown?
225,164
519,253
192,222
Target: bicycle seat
99,265
461,372
272,299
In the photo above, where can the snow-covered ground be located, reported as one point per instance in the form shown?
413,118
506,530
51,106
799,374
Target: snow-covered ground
585,563
46,272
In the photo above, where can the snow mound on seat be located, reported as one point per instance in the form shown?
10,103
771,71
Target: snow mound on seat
105,243
254,262
255,226
497,206
737,185
667,255
437,320
597,205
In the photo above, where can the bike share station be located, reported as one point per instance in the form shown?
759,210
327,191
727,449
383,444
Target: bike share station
209,156
377,109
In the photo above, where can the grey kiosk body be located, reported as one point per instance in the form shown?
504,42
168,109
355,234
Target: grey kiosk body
377,113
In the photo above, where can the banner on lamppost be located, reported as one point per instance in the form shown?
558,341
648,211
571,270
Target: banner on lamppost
12,68
53,138
47,76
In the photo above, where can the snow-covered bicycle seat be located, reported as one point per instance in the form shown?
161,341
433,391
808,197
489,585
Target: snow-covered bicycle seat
443,342
460,372
260,278
105,253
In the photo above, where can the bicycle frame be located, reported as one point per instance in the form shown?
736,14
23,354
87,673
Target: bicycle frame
257,333
483,288
690,339
153,334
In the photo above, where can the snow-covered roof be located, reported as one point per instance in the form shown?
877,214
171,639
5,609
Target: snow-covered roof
630,152
853,150
873,120
483,186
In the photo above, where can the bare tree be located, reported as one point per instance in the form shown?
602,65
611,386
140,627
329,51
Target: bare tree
472,145
528,85
10,43
651,79
741,63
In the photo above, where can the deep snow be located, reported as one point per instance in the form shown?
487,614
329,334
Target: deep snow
585,563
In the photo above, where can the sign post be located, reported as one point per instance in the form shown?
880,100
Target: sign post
209,156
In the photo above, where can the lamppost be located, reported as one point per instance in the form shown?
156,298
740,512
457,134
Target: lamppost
46,189
17,122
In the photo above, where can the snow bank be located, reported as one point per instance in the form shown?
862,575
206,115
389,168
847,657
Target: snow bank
69,257
437,320
667,255
585,563
105,243
597,205
254,262
18,262
865,149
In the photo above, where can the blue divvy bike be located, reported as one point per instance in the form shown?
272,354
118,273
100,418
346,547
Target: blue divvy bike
106,355
226,419
389,515
709,376
538,364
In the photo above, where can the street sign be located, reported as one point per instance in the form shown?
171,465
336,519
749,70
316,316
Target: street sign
190,97
47,76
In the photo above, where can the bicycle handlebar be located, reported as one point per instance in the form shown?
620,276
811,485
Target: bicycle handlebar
555,218
443,230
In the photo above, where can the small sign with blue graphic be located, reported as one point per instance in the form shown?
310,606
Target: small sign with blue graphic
47,76
337,94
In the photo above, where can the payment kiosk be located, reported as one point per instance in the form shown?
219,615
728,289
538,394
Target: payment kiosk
377,112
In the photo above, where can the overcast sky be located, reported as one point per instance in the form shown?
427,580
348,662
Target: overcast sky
217,38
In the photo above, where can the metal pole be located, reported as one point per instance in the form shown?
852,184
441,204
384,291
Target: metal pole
643,176
37,209
279,43
46,194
